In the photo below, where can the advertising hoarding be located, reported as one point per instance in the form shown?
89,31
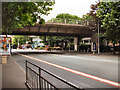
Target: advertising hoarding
5,45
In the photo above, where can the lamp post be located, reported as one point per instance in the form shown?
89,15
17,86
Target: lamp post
98,38
98,34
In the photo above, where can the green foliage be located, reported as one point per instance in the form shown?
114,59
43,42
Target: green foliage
68,16
94,8
43,48
71,19
18,14
51,48
21,39
83,44
87,17
109,14
48,39
36,47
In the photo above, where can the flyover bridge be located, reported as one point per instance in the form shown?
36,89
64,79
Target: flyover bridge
57,29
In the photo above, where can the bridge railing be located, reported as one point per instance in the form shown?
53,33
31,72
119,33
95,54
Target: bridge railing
72,21
39,79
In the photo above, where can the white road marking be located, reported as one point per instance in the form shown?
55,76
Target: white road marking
83,84
97,59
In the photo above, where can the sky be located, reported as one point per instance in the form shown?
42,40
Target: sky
73,7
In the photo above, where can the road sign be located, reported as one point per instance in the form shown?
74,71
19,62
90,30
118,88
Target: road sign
94,46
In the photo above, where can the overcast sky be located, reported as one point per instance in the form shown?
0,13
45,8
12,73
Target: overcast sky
74,7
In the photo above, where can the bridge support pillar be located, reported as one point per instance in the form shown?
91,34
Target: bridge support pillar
75,44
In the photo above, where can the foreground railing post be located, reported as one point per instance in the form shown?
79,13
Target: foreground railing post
42,83
40,79
26,72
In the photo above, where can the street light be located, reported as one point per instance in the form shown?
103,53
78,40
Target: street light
98,34
98,38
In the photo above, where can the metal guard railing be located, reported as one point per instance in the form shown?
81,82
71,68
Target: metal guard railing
35,81
72,21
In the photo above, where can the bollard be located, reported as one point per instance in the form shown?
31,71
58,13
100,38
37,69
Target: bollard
4,59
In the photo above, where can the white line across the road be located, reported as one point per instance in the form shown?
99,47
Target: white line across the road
112,83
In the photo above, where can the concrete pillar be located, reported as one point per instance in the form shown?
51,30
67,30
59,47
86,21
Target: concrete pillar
89,41
75,44
83,41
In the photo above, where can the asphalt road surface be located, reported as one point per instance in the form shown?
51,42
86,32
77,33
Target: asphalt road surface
97,66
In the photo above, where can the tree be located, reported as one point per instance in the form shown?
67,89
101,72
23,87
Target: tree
109,14
71,19
67,16
22,40
48,39
87,17
94,8
18,14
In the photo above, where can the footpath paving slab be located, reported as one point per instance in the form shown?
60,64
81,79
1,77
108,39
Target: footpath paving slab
12,76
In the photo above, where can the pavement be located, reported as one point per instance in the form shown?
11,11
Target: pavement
12,76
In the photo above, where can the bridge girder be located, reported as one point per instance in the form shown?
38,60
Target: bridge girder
55,29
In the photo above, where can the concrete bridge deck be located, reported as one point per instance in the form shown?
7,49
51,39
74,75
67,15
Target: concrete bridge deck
56,29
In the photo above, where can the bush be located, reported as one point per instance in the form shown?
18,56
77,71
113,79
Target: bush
85,47
42,48
51,48
35,47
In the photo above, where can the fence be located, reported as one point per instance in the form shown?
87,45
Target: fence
72,21
36,81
